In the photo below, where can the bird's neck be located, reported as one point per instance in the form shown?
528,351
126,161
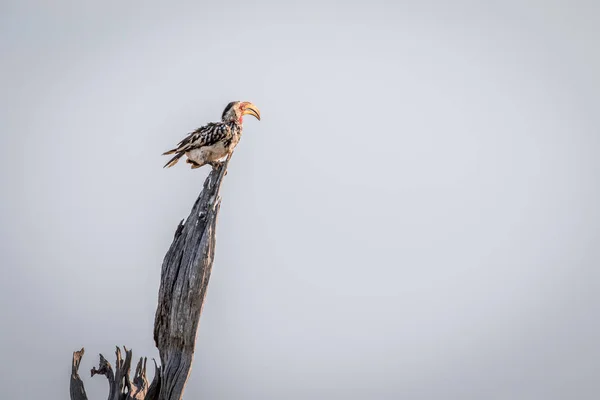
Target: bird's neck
235,122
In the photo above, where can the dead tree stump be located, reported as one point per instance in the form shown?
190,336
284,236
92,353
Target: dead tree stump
184,279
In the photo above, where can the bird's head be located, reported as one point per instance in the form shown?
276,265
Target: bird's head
236,110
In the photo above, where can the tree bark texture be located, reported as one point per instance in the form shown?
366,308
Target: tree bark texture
184,280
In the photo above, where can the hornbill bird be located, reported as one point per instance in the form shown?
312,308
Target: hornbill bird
215,140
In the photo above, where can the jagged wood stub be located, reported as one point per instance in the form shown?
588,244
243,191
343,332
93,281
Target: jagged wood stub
154,389
184,280
76,388
120,387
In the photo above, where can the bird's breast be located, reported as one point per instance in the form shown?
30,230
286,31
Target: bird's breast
235,139
208,153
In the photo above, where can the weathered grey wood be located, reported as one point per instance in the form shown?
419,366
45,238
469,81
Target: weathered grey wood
104,368
120,387
139,387
185,274
154,389
76,388
184,280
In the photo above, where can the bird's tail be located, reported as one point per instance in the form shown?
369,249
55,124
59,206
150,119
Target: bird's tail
173,160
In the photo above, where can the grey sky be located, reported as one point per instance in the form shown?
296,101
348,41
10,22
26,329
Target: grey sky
416,216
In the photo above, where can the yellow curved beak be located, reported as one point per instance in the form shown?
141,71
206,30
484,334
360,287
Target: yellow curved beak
251,109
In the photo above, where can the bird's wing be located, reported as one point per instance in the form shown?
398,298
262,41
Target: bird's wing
206,135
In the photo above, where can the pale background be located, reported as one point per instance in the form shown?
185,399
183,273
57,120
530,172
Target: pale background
416,216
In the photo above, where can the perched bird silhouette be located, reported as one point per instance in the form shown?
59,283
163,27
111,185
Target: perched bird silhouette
215,140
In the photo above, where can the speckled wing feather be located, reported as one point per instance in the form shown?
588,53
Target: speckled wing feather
206,135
